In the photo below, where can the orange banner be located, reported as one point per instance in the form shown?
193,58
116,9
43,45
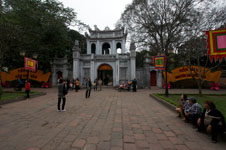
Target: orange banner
183,73
12,75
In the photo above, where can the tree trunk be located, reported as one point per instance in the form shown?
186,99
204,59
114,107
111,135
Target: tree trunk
199,86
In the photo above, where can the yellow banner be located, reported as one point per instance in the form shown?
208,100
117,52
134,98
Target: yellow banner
183,73
12,75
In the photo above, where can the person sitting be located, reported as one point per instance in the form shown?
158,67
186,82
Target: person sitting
180,107
194,112
122,85
211,120
129,85
187,107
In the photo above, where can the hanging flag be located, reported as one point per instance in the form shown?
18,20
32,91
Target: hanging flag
30,64
159,62
216,44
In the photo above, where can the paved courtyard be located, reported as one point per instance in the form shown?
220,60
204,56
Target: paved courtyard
108,120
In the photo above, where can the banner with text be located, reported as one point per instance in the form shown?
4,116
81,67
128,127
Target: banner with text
183,73
12,75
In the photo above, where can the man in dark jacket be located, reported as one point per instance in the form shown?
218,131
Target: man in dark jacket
88,88
134,84
62,91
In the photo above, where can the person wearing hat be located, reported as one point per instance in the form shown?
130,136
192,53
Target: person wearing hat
194,112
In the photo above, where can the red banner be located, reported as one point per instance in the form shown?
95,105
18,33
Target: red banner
216,44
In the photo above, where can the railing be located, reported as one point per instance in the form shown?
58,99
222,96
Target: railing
105,56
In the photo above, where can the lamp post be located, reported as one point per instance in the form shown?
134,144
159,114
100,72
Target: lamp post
166,82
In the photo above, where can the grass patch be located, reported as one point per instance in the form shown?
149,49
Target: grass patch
15,95
218,99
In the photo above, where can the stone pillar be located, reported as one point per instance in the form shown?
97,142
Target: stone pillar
88,47
76,68
114,50
123,47
92,68
159,78
76,55
98,49
117,67
147,63
54,77
133,60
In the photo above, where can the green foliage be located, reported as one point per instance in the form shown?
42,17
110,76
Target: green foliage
35,26
140,58
72,36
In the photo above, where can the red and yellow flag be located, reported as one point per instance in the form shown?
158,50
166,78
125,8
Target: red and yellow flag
30,64
216,44
159,62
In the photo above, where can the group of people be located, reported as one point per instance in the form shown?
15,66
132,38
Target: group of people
73,84
63,88
128,86
209,120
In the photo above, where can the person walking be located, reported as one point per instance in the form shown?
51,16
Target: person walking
27,88
62,91
95,83
20,83
134,83
88,88
99,83
77,85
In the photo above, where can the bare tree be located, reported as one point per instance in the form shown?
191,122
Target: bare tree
194,51
161,25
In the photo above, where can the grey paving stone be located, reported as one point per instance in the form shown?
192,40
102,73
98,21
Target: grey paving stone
107,120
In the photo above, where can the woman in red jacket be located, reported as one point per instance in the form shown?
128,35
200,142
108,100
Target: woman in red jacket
27,88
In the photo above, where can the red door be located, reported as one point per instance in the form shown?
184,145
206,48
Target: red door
153,78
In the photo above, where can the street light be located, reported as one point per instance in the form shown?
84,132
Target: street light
35,55
22,53
166,84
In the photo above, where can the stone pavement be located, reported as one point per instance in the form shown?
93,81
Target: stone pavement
108,120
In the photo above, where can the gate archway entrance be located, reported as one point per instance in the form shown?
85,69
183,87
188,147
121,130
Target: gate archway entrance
59,74
105,73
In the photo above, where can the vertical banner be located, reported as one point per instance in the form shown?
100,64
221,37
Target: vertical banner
216,44
159,62
30,64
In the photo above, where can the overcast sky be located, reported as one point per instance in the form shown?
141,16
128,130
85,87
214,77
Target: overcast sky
98,12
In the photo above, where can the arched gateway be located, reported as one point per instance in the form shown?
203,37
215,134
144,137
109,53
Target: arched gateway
105,73
102,60
108,59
